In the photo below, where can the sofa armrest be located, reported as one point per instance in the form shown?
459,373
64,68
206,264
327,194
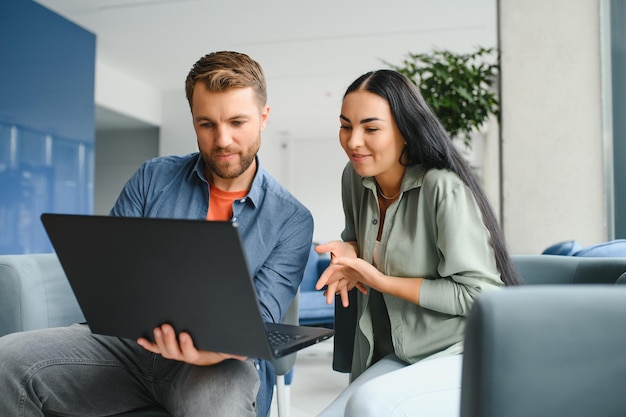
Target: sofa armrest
545,351
35,294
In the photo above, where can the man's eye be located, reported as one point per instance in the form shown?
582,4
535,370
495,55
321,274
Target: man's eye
238,123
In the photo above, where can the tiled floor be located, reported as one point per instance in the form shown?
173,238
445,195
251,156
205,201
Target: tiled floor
314,384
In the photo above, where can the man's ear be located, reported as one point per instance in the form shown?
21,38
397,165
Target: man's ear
265,112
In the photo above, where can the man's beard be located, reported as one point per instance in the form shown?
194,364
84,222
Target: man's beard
227,170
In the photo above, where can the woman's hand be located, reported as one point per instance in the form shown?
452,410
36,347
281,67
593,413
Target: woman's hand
338,248
182,349
337,278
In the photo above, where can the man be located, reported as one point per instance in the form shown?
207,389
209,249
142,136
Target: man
71,372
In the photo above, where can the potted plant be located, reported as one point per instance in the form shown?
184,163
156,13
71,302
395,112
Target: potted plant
458,87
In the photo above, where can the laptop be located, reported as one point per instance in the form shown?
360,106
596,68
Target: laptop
131,274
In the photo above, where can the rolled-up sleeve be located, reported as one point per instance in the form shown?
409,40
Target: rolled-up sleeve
467,262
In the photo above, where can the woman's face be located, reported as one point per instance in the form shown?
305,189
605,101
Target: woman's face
370,137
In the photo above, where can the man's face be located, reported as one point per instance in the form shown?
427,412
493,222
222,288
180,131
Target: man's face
228,127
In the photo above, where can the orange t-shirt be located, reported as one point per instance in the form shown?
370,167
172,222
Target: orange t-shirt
221,203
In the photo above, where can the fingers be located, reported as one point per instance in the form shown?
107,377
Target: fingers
343,288
322,281
165,343
325,247
187,348
182,348
165,339
330,292
361,287
147,345
322,248
238,357
345,300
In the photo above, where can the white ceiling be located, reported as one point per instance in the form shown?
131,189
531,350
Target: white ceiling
310,50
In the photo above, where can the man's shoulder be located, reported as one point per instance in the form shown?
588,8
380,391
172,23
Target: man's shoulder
171,162
280,195
169,168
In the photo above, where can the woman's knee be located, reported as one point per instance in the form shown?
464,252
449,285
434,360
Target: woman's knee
368,400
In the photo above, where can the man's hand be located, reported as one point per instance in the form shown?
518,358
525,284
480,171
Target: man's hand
182,349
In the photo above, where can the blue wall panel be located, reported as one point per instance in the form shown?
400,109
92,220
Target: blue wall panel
47,123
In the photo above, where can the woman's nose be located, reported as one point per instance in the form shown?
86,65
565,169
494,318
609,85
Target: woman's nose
355,140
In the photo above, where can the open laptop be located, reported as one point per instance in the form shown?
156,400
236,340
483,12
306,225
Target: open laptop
130,275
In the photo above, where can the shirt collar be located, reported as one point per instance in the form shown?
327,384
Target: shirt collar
413,178
257,189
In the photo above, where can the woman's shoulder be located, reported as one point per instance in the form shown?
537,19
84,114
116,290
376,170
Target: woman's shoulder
441,179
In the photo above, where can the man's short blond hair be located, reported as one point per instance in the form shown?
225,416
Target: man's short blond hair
221,71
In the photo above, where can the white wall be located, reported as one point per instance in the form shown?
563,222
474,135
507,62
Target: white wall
118,155
116,90
551,123
552,180
177,136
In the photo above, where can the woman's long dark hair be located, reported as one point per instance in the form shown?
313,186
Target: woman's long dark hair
428,144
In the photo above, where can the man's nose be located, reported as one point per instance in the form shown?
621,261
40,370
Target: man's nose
223,137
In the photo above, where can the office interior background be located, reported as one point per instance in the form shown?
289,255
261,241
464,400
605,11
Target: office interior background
89,90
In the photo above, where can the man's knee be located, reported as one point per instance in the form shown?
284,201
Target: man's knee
14,353
228,389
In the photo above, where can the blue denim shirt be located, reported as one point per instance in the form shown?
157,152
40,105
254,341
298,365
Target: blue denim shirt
276,230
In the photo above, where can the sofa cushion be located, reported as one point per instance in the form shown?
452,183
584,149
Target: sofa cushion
566,248
314,310
613,248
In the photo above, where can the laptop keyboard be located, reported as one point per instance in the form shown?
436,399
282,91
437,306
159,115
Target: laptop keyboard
280,339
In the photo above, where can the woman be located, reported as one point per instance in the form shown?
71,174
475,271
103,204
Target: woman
420,243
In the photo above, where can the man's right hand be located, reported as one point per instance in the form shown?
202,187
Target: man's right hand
182,348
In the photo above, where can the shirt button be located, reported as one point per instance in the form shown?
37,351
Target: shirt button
234,219
243,200
374,222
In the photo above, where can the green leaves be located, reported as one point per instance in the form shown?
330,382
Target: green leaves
458,87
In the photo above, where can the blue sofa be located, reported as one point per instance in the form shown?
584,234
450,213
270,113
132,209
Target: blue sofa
313,308
612,248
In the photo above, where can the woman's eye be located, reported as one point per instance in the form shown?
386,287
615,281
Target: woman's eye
345,127
371,129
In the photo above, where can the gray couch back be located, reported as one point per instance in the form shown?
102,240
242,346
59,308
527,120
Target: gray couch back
35,294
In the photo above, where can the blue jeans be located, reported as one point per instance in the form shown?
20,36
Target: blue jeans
71,372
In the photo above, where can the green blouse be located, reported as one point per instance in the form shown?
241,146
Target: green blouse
435,231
